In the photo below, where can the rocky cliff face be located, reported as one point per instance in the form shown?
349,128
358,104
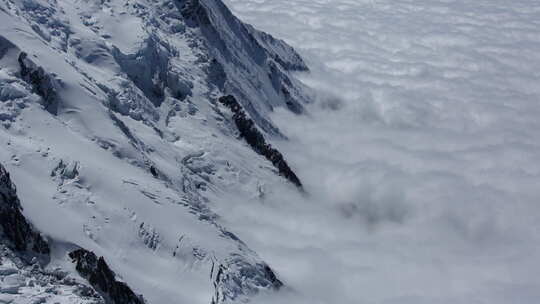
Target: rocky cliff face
42,83
102,278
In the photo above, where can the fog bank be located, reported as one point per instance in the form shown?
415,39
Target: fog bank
420,154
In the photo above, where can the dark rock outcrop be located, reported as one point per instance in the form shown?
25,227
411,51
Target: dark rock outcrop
102,278
42,83
154,171
20,234
256,140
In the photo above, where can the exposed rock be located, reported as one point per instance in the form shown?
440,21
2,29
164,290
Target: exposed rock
20,234
21,279
102,278
23,282
43,84
154,171
256,140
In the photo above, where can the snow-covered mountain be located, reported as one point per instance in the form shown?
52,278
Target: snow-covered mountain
123,123
165,152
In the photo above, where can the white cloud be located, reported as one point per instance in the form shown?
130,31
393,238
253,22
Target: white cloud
421,155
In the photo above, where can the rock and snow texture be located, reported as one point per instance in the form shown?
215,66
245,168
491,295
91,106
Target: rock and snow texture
112,130
23,250
15,230
21,283
248,130
102,278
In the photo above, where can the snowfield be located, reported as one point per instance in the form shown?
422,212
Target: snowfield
118,145
421,154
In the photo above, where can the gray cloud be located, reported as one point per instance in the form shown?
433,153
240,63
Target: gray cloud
420,154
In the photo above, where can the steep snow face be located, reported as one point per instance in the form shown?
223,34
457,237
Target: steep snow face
22,253
111,129
421,154
240,50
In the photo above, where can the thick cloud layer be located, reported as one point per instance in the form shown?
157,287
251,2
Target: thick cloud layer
421,154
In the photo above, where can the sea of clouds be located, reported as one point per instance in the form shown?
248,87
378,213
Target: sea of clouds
420,154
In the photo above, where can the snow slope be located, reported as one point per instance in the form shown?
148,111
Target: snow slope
112,133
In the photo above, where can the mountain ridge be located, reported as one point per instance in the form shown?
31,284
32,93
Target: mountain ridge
121,135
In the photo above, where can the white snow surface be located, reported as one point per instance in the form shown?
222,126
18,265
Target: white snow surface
421,155
135,156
